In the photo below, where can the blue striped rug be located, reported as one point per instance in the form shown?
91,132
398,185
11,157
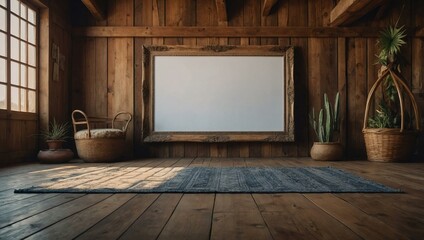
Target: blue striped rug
216,180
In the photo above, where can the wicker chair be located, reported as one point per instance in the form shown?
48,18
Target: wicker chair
99,145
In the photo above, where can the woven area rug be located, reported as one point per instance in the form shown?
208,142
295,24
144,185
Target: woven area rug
207,180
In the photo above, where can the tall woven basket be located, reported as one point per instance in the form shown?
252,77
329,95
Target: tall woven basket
391,144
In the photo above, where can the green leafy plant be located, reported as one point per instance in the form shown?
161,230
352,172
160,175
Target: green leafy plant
384,118
390,43
327,123
56,131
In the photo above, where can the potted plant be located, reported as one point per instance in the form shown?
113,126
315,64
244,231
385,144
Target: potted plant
326,129
389,134
55,136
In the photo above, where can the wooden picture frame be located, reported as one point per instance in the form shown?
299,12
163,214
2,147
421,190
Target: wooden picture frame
148,132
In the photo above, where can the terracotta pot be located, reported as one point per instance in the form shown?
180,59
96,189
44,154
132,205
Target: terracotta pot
55,156
327,151
55,144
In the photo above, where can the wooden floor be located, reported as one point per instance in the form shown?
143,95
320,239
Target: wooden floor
216,216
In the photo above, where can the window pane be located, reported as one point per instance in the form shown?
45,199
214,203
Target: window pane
3,3
3,95
3,43
31,55
14,48
14,5
31,16
31,101
24,30
14,99
23,11
31,77
23,75
3,19
3,70
23,52
14,73
14,25
31,34
23,100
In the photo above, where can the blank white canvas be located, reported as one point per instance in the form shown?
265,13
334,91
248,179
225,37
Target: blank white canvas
218,93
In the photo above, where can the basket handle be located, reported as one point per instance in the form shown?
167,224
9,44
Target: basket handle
128,120
401,80
398,81
76,122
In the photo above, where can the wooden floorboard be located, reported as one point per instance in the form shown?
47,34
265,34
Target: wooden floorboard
402,212
191,218
236,216
114,225
292,216
151,222
38,222
210,216
367,226
10,217
83,220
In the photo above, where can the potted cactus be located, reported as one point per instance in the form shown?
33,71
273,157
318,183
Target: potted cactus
326,129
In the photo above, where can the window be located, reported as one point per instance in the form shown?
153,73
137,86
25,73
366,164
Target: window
18,56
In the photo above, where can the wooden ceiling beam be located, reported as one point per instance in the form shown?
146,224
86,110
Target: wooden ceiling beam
221,9
95,9
268,4
223,31
347,11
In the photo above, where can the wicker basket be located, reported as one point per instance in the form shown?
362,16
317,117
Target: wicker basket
92,147
100,149
391,144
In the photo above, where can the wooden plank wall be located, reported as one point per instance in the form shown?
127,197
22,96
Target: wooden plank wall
18,132
107,71
17,140
59,91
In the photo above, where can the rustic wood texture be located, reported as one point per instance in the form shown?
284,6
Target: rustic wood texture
214,216
347,11
328,59
221,10
417,75
229,31
268,4
95,9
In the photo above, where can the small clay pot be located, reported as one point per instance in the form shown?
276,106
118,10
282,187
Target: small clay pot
55,156
327,151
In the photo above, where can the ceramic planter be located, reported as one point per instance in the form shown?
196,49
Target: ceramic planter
327,151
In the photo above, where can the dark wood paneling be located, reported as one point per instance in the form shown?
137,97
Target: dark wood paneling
327,60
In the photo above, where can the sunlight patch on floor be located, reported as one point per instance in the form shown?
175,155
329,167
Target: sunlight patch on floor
110,177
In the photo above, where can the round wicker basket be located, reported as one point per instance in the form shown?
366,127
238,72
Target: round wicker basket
391,144
100,150
100,145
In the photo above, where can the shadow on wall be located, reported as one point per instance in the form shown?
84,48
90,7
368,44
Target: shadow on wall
420,144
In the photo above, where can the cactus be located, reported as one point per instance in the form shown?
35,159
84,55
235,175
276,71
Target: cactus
326,127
